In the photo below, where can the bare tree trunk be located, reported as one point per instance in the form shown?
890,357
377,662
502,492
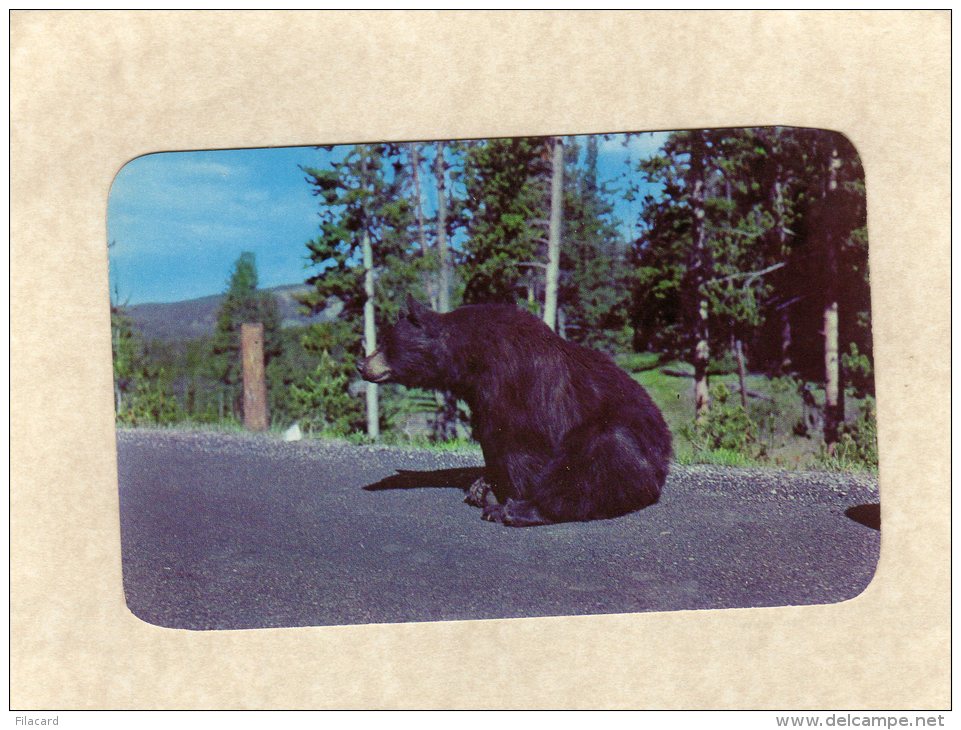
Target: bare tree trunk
418,203
832,380
554,235
429,285
741,371
784,366
833,396
370,336
780,227
444,283
370,326
445,422
116,383
699,264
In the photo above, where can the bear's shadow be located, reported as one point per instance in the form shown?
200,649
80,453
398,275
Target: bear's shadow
441,478
868,515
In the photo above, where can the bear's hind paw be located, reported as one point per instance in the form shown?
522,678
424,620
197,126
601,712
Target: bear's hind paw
493,512
480,494
515,513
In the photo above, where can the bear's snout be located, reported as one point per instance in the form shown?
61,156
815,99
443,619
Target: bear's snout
374,367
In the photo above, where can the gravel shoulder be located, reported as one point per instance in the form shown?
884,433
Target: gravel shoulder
230,531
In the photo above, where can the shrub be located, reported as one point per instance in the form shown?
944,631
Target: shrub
723,364
149,403
857,445
858,373
321,402
726,427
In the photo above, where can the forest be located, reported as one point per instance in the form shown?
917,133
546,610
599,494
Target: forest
737,292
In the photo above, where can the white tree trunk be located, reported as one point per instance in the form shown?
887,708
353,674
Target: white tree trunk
831,389
418,202
446,418
370,336
444,283
430,285
833,396
741,371
554,235
702,349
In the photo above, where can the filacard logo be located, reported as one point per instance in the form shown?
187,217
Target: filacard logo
25,721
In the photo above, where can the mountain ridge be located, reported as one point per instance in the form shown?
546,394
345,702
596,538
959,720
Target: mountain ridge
194,318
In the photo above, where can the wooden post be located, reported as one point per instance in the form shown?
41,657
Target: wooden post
255,385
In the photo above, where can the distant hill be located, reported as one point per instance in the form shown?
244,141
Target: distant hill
195,318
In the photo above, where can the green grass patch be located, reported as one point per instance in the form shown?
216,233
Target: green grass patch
637,362
776,414
719,457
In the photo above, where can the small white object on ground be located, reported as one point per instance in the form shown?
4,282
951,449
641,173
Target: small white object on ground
293,433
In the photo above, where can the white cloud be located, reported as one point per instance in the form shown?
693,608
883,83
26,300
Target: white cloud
207,168
175,180
173,166
167,188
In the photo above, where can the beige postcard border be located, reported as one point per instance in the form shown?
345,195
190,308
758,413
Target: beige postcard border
91,90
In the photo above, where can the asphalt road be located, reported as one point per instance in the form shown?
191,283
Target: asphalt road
233,532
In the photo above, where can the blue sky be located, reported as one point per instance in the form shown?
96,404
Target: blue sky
179,220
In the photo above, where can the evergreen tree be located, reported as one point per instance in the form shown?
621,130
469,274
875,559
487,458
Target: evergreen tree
593,270
364,247
364,193
783,223
242,303
125,352
142,381
321,402
506,183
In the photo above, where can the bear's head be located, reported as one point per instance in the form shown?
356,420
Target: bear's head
412,352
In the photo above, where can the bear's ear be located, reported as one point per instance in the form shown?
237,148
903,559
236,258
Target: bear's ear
417,313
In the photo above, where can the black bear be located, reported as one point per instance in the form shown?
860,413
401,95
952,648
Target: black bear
566,434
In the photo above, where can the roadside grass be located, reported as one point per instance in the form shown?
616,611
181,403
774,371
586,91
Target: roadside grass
234,427
424,443
719,457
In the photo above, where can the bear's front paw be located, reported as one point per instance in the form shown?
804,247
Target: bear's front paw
494,513
480,494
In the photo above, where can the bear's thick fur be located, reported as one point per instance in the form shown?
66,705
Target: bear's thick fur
566,434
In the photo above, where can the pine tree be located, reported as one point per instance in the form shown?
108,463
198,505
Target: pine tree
242,303
505,182
594,276
364,248
125,350
783,223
